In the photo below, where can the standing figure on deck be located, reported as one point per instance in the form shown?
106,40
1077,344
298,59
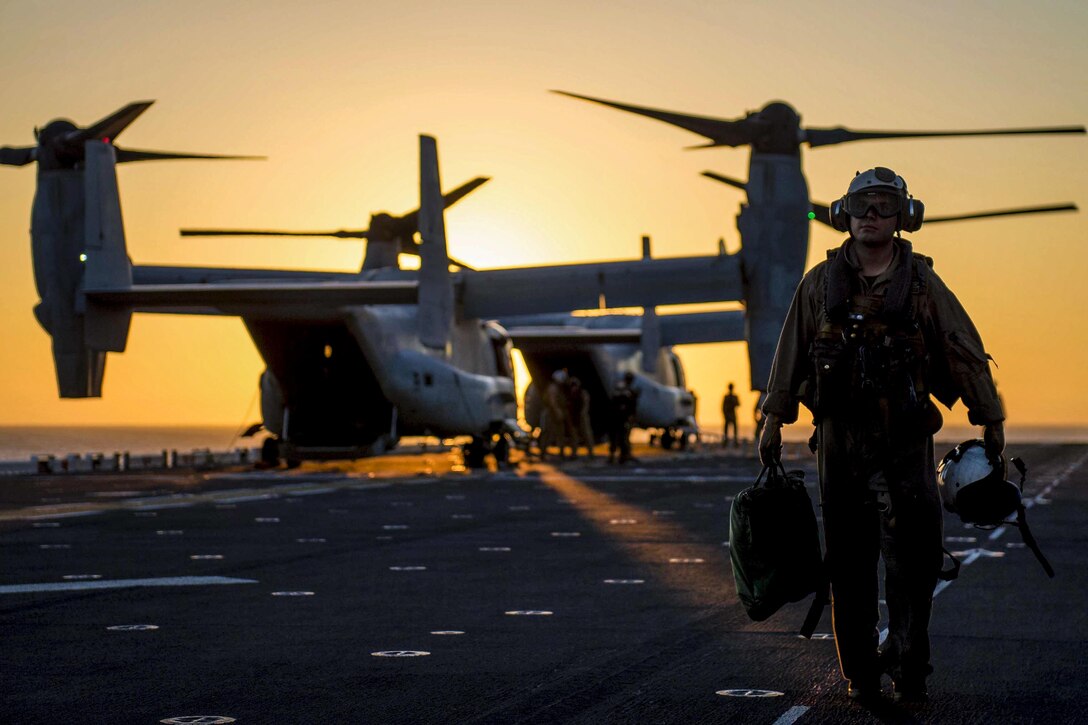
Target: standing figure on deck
623,403
730,403
578,411
555,418
871,334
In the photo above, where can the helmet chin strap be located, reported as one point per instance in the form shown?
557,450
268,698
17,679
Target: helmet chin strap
1022,522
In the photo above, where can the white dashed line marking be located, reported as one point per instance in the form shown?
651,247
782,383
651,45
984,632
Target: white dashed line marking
177,581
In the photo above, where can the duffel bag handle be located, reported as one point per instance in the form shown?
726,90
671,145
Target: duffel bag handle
777,474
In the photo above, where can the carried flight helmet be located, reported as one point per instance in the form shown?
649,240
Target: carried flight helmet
882,189
973,486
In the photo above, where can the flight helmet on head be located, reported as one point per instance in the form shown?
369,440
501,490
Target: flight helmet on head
882,189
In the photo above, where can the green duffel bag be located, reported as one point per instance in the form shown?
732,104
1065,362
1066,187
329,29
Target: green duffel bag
774,545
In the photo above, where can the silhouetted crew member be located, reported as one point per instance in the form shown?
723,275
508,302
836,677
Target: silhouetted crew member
555,418
871,333
730,403
578,411
623,403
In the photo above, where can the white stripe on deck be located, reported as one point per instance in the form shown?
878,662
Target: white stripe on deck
1042,495
71,586
790,716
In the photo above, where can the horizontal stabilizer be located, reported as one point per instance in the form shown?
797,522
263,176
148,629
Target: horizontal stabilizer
696,328
688,328
321,297
572,335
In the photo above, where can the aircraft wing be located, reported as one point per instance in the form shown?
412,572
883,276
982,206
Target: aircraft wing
496,293
316,299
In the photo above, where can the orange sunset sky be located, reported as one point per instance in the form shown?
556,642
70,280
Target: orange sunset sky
336,93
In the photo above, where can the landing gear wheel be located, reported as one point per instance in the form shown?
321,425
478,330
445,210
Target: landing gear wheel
270,452
667,439
501,449
475,452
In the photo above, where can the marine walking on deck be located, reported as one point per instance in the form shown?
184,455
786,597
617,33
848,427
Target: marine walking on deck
872,335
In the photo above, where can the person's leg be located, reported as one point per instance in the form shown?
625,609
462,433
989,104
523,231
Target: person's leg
852,540
911,543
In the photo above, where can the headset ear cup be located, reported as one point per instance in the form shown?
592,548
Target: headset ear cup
912,218
839,220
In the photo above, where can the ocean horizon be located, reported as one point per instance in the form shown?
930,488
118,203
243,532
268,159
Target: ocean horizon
22,442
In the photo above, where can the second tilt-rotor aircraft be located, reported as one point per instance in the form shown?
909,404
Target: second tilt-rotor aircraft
774,223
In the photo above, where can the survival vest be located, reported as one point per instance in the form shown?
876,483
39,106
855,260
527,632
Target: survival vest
869,356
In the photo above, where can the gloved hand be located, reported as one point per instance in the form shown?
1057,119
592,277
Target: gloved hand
770,442
994,438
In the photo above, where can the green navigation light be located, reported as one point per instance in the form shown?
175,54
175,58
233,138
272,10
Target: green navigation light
812,215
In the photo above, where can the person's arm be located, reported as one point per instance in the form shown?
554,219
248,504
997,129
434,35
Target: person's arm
791,365
966,364
770,441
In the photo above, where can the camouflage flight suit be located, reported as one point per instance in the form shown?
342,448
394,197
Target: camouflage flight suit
874,431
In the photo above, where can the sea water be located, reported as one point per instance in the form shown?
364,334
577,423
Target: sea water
19,443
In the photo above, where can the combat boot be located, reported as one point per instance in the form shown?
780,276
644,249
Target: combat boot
909,690
864,691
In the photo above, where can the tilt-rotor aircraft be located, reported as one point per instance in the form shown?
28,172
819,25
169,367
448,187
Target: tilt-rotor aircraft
354,360
596,349
599,349
774,224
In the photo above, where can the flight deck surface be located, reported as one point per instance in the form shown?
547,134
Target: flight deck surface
402,590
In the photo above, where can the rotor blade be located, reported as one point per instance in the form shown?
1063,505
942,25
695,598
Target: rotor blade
135,155
1002,212
111,126
17,155
735,183
822,213
339,234
464,190
409,223
252,430
829,136
720,131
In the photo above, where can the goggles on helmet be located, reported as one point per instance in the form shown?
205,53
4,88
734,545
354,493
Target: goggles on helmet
886,204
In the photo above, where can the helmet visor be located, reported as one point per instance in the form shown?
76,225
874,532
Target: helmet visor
886,204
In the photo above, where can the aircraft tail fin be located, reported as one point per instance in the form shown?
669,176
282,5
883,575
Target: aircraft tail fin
435,290
83,332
